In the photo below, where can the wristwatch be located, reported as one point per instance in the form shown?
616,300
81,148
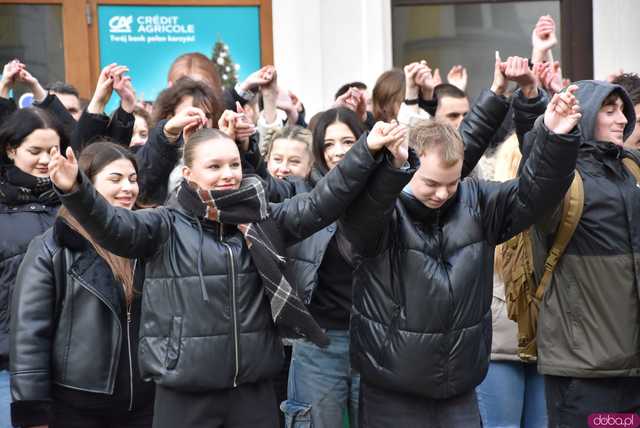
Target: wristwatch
411,102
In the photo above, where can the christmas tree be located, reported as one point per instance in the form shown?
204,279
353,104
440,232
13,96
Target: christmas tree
227,69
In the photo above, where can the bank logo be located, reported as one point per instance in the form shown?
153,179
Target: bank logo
120,24
614,420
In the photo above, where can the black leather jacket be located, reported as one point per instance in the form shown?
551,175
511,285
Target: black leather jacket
73,338
189,343
421,321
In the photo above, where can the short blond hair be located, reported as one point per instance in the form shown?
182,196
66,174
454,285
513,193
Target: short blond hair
434,134
291,132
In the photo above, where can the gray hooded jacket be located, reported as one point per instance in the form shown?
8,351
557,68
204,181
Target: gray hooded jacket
589,323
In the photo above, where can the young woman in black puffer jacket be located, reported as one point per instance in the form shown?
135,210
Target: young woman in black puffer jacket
215,278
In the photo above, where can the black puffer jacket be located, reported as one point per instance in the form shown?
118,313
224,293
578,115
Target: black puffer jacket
118,127
156,159
477,130
72,336
19,224
186,342
421,320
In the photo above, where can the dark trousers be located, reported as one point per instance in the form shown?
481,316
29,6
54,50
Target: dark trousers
65,416
570,401
250,405
383,409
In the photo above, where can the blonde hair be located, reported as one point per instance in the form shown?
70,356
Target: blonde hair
296,133
429,134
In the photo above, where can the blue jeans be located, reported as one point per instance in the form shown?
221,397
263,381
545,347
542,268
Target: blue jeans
512,396
321,384
5,399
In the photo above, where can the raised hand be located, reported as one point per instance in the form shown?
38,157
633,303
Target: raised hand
28,79
517,70
284,102
437,79
355,100
256,79
124,88
104,88
237,126
499,85
399,146
63,171
427,80
458,77
191,119
550,76
227,123
298,104
10,74
412,89
269,92
243,128
384,134
543,36
563,112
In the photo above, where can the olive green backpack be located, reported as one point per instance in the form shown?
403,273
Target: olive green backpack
523,295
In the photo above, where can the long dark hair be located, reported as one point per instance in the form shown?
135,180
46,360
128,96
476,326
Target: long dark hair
101,153
23,122
93,159
326,119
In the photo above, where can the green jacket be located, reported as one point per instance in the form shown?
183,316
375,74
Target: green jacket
589,323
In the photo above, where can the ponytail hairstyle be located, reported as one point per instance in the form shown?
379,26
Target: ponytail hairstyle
199,137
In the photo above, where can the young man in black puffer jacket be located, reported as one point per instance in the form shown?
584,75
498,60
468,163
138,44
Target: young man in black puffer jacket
421,324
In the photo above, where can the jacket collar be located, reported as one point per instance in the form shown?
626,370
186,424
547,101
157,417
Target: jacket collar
601,156
66,237
421,213
92,272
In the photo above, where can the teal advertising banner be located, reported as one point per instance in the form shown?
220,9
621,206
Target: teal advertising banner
148,38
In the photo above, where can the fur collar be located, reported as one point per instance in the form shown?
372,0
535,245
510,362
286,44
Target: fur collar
66,237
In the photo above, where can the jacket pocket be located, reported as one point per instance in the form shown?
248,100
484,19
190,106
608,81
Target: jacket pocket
173,345
296,414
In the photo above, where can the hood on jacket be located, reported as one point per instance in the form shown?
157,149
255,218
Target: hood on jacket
591,94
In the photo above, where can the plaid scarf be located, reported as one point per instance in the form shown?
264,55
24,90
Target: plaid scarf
18,188
248,209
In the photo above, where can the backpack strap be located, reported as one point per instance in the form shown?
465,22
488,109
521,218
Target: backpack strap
632,167
571,212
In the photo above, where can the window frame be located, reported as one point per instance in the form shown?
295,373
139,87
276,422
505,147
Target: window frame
576,27
83,74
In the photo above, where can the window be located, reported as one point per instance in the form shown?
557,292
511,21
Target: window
33,33
446,33
59,39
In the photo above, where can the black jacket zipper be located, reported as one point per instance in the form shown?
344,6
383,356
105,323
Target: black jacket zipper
233,308
135,262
